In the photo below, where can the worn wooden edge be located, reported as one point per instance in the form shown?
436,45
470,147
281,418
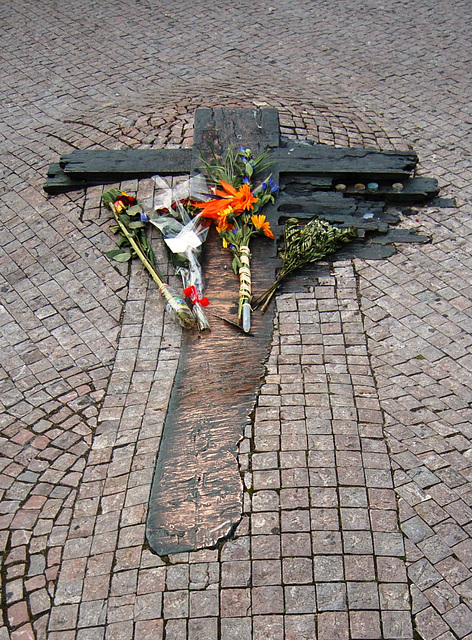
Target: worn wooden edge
302,149
125,162
58,182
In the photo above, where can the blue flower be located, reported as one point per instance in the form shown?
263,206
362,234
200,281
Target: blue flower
273,187
264,186
245,180
143,217
242,149
244,159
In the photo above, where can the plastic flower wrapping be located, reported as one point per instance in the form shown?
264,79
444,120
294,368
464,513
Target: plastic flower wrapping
131,225
180,222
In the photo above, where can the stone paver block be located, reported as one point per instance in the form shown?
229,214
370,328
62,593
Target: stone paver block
333,625
268,627
331,596
300,599
365,625
235,602
203,628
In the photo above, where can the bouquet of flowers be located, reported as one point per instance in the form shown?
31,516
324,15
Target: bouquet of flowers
236,210
184,231
131,224
304,244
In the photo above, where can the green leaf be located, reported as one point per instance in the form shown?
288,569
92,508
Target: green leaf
236,265
136,225
115,228
123,257
119,255
125,219
249,169
134,210
151,257
109,197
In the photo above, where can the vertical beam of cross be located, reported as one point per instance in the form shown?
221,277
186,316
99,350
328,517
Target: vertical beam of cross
197,493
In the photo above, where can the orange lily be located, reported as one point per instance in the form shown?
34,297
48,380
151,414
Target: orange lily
260,222
229,190
214,208
239,200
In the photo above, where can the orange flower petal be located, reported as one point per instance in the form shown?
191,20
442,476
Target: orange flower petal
228,188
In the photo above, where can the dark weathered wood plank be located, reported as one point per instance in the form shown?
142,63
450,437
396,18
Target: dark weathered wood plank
317,204
322,151
413,190
219,128
401,236
343,163
126,163
196,496
58,182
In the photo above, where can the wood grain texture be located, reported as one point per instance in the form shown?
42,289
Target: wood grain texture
126,162
196,496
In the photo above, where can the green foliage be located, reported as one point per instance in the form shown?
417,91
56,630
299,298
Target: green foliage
234,166
304,244
130,227
119,255
311,242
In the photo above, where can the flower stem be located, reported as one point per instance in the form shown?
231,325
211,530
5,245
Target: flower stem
150,267
245,291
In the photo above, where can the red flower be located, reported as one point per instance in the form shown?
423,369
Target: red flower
124,201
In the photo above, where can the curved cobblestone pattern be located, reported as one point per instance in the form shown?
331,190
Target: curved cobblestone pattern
358,461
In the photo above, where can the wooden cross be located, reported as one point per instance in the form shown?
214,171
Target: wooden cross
196,496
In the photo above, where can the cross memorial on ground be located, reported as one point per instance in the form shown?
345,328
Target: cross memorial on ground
197,494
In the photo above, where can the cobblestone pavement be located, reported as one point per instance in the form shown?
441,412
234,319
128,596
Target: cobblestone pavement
358,463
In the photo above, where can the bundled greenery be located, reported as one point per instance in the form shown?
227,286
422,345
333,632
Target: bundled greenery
236,166
305,244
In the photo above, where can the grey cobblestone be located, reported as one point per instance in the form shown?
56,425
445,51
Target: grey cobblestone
369,372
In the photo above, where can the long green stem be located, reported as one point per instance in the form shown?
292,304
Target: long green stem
150,267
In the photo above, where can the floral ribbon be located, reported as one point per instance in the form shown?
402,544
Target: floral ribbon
192,293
